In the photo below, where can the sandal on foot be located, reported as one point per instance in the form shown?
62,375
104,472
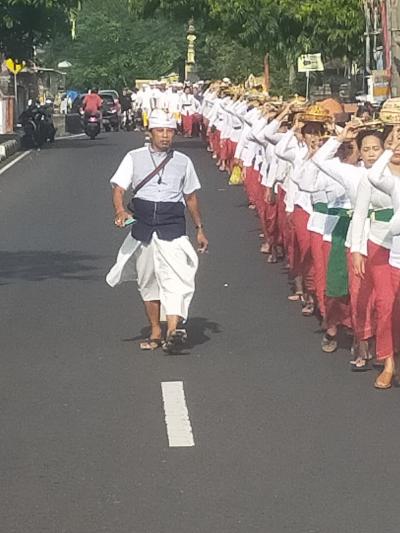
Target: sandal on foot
308,309
175,341
384,380
295,297
151,345
360,365
329,343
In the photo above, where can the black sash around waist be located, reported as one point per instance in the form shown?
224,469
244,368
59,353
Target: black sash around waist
167,219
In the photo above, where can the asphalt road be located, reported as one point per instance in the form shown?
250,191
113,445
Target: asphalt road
286,439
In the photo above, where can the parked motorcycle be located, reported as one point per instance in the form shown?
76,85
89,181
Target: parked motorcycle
37,124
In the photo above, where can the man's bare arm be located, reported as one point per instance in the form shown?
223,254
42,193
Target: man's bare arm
192,205
121,215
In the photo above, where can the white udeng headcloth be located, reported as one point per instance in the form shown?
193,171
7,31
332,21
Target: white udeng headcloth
161,119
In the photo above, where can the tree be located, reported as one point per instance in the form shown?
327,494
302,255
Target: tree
285,28
28,23
114,47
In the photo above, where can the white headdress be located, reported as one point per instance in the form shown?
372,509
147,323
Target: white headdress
161,119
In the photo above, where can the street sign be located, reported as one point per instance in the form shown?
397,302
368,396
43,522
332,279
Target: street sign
310,63
14,66
380,85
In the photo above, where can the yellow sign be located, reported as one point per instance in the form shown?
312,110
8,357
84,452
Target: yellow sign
13,66
310,63
381,84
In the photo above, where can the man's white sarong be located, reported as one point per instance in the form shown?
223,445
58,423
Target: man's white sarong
164,270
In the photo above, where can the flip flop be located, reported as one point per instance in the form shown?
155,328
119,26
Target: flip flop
357,368
308,309
294,297
381,385
329,343
149,345
175,341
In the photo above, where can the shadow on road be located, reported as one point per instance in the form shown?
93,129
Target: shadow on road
81,143
199,332
42,265
188,143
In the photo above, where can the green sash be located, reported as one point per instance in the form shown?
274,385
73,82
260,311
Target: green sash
320,207
337,283
382,215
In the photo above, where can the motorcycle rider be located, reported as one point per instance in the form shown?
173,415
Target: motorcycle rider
91,105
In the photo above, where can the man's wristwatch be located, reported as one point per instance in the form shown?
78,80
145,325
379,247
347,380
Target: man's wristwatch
200,226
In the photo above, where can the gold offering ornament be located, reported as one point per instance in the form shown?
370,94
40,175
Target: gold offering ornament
362,125
390,112
299,103
316,113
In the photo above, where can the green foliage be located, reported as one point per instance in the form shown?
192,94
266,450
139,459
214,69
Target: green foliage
284,28
220,56
114,47
121,40
181,10
27,23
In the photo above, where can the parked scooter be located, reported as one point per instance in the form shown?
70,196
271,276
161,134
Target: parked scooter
48,109
37,124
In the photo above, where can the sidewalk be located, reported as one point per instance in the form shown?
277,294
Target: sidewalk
9,144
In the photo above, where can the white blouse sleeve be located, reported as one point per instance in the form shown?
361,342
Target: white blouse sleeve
348,176
376,176
270,132
360,215
287,148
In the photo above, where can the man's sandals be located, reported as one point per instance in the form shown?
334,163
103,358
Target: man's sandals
149,345
175,342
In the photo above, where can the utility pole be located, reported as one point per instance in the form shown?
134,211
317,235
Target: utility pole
393,13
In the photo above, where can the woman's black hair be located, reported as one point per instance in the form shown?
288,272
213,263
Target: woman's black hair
313,125
387,130
344,151
369,133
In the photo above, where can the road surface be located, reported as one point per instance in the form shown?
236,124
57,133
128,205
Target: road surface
285,438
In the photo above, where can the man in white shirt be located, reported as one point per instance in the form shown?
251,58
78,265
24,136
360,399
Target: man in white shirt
157,252
143,103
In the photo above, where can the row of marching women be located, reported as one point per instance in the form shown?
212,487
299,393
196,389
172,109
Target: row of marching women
326,189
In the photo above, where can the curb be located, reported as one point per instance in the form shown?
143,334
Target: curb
8,148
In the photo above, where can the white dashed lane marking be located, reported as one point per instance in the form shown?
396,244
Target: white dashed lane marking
179,429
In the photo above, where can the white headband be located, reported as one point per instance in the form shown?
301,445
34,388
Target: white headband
160,119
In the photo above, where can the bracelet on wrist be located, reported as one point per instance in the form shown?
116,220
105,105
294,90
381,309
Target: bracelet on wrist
199,226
